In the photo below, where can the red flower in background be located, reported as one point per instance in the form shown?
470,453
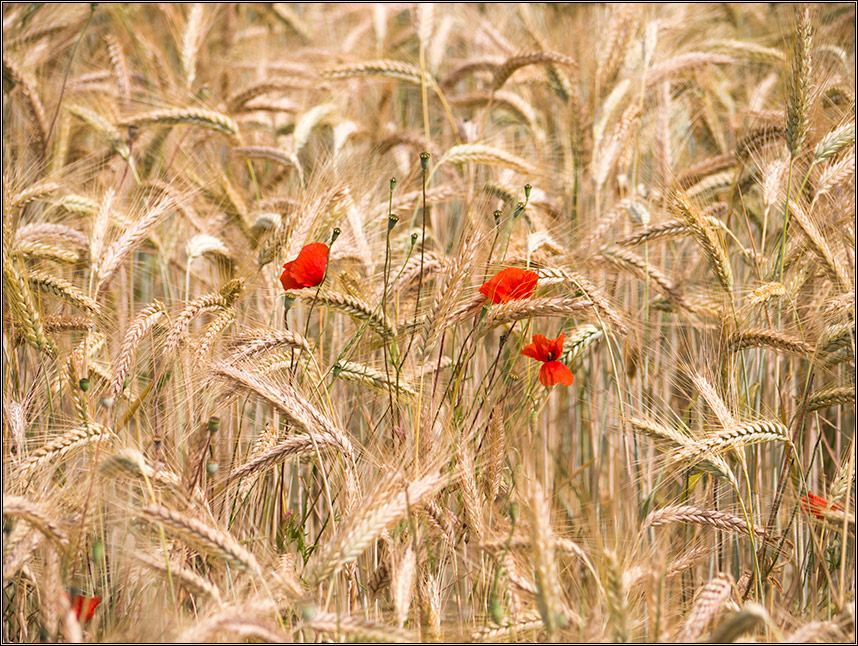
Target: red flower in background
548,351
510,285
83,606
308,269
817,506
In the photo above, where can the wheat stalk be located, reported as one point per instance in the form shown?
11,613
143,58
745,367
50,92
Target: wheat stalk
535,307
707,238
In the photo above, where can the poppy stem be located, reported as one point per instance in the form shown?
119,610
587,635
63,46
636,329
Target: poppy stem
424,163
391,222
501,345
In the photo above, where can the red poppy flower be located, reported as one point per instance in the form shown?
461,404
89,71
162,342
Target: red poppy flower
817,506
510,285
308,269
83,606
548,351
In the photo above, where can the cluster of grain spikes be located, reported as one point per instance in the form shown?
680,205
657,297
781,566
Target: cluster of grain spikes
193,452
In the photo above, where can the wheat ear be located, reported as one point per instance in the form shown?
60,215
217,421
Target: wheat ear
291,403
203,537
696,516
37,516
709,602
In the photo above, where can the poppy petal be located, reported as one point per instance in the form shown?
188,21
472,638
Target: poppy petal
530,350
554,372
91,604
543,346
555,347
509,285
817,505
308,269
286,277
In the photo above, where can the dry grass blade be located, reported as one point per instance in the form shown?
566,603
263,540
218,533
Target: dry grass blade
549,593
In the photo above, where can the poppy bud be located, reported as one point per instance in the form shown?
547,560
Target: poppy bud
424,161
211,467
214,424
335,234
98,552
392,183
519,209
527,189
391,222
497,215
84,384
133,132
288,302
413,239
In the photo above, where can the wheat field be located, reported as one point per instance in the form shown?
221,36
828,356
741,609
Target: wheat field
193,453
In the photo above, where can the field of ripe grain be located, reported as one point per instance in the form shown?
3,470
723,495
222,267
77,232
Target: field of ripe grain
412,322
